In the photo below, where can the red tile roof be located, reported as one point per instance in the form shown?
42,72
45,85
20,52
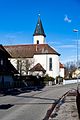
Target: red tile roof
61,65
28,51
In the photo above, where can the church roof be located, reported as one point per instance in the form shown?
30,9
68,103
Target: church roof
38,67
28,51
39,28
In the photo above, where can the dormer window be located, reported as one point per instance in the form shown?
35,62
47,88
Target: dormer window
37,41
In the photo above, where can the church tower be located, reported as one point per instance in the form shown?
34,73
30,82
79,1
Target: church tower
39,35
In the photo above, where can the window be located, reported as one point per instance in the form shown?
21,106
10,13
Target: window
50,63
37,41
1,62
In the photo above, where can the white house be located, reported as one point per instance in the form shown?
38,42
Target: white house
62,70
45,56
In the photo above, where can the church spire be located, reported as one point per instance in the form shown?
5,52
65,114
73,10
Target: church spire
39,34
39,28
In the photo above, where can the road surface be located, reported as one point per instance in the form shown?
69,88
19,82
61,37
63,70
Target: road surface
32,105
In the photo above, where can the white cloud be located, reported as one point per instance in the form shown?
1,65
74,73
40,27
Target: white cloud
67,46
10,36
66,19
53,43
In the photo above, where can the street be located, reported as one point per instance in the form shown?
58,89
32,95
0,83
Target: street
32,105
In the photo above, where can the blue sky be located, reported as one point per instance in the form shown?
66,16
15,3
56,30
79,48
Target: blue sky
18,20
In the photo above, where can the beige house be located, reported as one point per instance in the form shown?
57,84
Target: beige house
76,73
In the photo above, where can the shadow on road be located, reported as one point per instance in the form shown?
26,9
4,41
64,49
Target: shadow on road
40,98
17,91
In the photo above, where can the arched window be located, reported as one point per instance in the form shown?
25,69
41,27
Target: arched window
50,63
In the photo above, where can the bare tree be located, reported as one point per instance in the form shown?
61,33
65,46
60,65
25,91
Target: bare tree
23,65
69,68
19,66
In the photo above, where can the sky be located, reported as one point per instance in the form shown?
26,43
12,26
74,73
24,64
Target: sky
18,20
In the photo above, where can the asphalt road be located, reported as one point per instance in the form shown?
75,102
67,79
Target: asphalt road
31,105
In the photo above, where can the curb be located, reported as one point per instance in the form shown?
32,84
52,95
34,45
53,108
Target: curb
51,112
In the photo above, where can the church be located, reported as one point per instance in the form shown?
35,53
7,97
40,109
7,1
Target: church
38,58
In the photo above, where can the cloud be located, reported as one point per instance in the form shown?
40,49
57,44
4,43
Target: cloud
10,36
66,19
53,43
67,46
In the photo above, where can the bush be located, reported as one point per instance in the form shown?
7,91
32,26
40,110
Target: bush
59,79
48,78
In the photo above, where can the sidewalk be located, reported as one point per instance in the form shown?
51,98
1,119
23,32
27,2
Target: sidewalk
67,111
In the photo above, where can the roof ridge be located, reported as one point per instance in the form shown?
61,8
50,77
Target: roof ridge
18,45
24,45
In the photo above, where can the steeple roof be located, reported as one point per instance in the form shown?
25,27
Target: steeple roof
39,28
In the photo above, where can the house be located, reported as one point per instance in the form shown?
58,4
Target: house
76,73
37,70
62,70
7,70
37,58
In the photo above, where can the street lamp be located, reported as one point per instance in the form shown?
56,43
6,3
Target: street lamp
75,30
78,93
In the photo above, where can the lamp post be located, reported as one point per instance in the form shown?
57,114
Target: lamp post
75,30
78,93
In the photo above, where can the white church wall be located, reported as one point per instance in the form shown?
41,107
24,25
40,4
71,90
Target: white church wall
40,59
55,66
44,61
